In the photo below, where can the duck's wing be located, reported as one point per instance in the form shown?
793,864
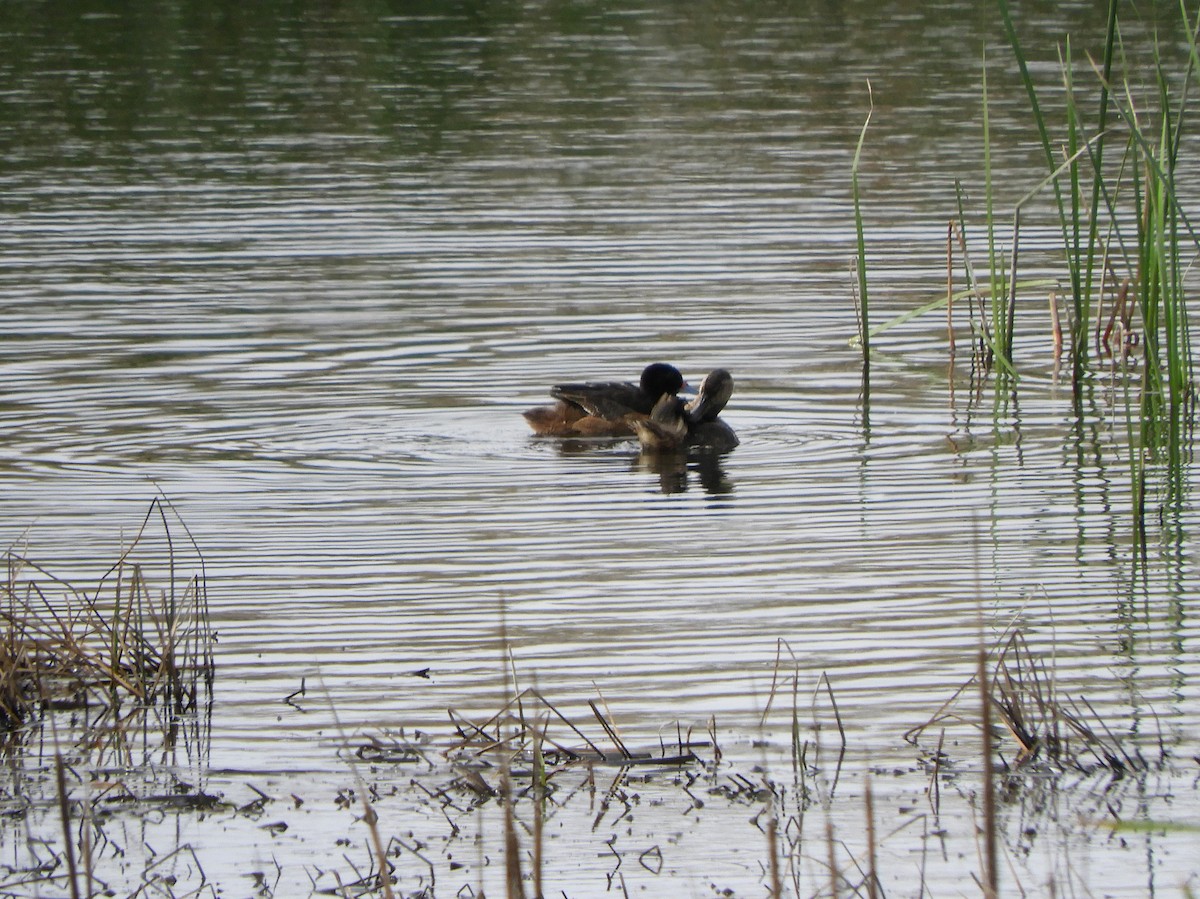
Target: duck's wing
666,427
655,437
611,400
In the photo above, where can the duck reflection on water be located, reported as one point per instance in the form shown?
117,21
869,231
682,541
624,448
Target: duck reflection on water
674,469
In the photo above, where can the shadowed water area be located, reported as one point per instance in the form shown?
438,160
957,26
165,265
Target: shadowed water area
299,268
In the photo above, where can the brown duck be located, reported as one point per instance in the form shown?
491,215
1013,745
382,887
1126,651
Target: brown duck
604,409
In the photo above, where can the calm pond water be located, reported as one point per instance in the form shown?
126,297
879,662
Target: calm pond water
299,269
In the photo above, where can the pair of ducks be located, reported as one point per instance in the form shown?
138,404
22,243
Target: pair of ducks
649,409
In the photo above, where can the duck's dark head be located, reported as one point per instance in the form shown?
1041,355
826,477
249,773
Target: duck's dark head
659,378
714,394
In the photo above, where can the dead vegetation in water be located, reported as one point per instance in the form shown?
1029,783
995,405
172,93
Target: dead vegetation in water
1044,726
526,761
127,640
523,746
105,698
529,727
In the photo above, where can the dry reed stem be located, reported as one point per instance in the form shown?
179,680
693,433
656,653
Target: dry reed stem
1056,331
64,808
539,811
780,643
950,286
832,857
514,885
992,868
478,740
773,850
973,285
610,730
872,869
379,853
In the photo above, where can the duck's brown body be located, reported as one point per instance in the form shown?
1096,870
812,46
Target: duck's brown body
604,409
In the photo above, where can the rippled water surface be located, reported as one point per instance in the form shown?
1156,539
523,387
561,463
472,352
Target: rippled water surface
299,271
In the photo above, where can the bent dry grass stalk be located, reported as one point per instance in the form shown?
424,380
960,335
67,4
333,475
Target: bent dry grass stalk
1049,730
860,283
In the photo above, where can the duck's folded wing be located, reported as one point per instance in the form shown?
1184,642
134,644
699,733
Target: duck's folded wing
611,401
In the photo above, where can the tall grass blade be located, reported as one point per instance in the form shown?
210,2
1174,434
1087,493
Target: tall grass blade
864,316
1079,300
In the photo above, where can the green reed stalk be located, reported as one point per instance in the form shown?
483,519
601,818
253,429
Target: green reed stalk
1097,153
991,348
1078,220
1038,118
1001,338
1162,230
1156,243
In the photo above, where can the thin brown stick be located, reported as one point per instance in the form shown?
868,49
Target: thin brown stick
950,284
872,870
610,730
514,885
1011,312
937,775
1105,271
831,847
773,843
609,722
539,799
973,285
64,807
567,721
991,882
779,644
837,715
1056,333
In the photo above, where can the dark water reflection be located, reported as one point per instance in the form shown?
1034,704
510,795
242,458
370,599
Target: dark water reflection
301,267
676,471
